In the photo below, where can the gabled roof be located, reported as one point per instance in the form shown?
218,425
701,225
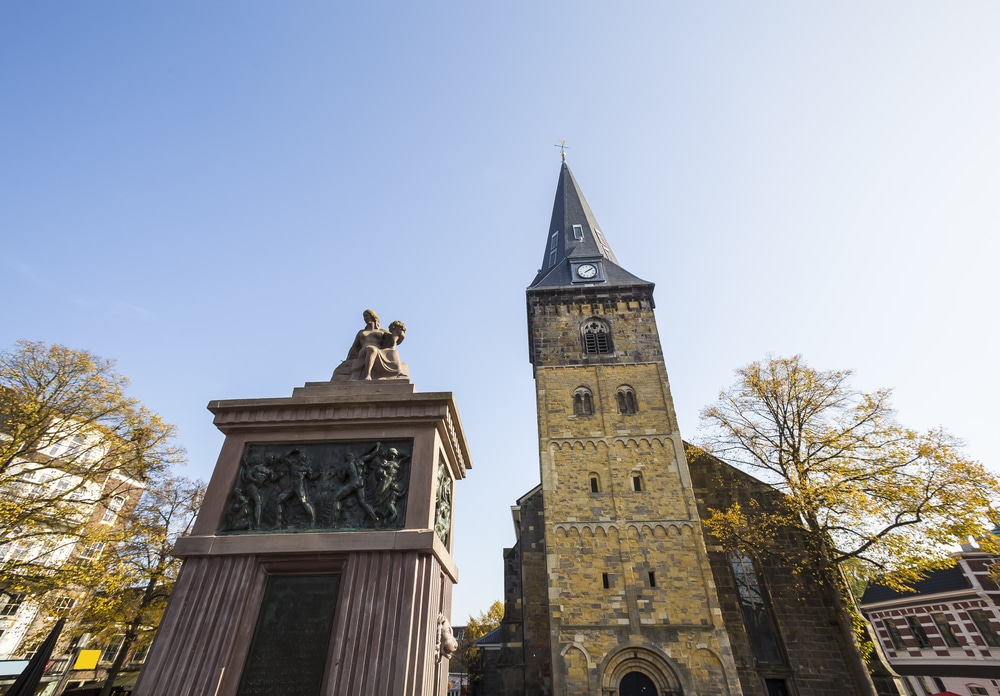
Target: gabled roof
575,235
936,582
491,638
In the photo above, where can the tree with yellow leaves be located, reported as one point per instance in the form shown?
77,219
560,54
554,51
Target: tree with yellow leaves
133,579
868,494
470,658
75,450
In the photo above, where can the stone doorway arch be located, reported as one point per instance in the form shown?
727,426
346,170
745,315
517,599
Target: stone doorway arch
639,671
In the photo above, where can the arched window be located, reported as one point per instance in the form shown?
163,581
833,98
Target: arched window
111,511
595,483
627,403
583,402
596,337
754,606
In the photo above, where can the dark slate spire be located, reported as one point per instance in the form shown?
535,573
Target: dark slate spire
576,252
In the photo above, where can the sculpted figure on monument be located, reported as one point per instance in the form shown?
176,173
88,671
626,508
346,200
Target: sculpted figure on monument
442,515
447,645
258,476
373,355
354,483
299,473
385,487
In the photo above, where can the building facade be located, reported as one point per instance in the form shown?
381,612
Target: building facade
945,633
613,586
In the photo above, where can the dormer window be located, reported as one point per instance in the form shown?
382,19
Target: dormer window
578,232
596,337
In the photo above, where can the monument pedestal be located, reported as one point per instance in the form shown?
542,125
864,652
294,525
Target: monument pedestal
320,562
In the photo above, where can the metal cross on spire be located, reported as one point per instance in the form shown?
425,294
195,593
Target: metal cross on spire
562,148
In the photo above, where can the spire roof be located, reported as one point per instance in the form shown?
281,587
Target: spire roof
575,240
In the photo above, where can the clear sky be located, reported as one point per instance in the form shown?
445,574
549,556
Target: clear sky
212,192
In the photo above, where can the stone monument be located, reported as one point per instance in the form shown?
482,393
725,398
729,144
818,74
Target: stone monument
320,563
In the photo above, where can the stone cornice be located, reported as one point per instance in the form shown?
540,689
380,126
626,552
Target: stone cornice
320,404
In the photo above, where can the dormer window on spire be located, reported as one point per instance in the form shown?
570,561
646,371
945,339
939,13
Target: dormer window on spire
578,232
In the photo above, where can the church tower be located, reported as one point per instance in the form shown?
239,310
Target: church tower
631,601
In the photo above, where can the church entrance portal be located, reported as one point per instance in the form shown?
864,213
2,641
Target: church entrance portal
637,684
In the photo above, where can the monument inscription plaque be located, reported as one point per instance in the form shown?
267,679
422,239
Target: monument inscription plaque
290,643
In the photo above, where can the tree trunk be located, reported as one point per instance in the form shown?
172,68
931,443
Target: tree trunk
856,666
131,632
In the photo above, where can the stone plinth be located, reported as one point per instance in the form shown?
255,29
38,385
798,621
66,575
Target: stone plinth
328,514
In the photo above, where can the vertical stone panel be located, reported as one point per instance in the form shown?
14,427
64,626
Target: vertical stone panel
200,627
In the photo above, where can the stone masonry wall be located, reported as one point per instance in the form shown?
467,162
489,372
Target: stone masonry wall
626,563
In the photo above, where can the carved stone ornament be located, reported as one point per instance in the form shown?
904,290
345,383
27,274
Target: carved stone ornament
442,511
320,487
374,355
447,644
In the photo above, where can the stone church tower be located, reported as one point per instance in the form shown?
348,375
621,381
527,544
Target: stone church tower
626,562
613,587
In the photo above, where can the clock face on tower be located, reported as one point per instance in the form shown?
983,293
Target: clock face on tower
586,270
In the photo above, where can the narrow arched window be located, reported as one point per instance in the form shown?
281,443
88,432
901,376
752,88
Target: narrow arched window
583,402
627,403
755,609
596,335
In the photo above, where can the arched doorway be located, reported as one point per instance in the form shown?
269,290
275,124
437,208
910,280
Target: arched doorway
637,670
636,684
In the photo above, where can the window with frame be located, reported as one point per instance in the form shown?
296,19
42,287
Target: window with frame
894,635
946,631
977,690
637,483
919,634
139,656
583,402
596,337
68,447
112,649
985,627
22,551
12,603
627,404
112,509
578,232
595,484
92,550
756,616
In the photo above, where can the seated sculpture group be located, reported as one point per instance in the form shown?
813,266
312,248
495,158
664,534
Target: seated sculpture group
374,356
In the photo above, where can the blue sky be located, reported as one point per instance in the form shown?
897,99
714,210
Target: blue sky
211,193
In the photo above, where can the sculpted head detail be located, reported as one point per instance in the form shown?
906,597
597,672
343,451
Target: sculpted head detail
398,329
371,317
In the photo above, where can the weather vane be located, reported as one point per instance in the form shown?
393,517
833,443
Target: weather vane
562,148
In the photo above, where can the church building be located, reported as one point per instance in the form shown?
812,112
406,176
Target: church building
613,586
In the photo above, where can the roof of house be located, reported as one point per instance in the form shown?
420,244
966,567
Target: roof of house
937,582
491,638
